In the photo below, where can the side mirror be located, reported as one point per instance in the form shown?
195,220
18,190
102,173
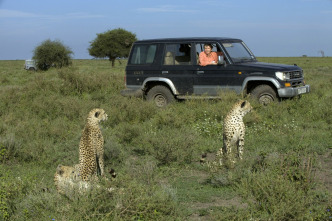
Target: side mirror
221,60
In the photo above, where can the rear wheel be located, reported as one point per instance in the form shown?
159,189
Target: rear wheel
264,94
160,95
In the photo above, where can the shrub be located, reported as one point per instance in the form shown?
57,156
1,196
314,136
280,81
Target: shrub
86,82
52,54
9,148
279,186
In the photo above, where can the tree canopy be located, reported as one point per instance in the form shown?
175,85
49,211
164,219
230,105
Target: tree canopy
52,53
112,44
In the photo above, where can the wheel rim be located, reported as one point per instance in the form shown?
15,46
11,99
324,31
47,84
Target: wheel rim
265,99
160,100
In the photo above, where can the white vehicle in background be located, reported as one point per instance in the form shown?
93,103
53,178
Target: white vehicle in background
30,65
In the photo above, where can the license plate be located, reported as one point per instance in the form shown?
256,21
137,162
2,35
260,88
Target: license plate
301,90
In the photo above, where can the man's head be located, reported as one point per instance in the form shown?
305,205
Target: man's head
207,48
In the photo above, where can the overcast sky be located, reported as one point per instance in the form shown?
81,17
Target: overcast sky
269,28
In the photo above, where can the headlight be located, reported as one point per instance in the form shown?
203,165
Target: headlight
283,76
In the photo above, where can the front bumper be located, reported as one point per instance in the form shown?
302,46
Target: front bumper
293,91
132,93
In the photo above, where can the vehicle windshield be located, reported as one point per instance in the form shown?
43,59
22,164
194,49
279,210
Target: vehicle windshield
238,52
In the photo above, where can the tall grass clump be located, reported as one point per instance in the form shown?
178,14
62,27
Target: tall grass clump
168,146
81,82
282,189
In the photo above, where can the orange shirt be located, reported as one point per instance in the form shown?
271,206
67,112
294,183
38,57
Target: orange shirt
205,59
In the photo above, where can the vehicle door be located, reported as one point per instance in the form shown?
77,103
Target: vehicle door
211,79
177,66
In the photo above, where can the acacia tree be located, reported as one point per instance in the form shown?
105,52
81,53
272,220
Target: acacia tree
52,53
112,44
322,53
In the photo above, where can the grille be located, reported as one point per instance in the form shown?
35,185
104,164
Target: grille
297,83
295,74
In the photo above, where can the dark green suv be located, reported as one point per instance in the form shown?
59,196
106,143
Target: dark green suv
163,70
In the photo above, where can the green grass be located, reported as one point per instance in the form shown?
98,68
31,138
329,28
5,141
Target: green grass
285,173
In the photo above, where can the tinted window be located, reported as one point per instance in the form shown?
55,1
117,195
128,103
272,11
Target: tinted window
177,54
143,54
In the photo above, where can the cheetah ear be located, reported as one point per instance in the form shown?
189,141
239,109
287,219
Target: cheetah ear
97,114
243,104
59,169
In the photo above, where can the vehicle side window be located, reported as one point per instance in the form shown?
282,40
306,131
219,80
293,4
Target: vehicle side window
177,54
143,54
215,48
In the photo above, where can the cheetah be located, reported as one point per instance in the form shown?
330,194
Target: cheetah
68,181
91,148
233,135
66,176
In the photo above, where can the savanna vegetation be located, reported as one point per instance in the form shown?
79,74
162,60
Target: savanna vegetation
285,173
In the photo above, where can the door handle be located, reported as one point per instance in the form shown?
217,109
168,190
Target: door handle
164,72
200,72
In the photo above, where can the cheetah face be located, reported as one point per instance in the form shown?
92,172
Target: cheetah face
98,115
101,115
242,107
245,107
67,172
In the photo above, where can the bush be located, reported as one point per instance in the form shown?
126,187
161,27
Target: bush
279,186
81,83
52,54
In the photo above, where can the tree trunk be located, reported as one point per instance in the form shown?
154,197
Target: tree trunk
112,60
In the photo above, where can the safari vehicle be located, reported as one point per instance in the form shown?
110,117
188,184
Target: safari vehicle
163,70
30,65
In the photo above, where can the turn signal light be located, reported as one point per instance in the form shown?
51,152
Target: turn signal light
287,84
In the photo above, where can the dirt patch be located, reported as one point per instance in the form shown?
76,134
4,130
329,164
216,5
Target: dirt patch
217,202
324,172
202,209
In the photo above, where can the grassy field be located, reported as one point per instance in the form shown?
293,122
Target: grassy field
285,173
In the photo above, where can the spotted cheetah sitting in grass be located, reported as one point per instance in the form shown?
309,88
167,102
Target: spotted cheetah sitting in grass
234,131
66,178
68,181
91,148
233,137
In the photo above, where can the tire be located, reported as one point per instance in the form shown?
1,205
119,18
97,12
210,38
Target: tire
160,95
31,69
265,94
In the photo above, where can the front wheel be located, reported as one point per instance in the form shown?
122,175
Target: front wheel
265,94
161,96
